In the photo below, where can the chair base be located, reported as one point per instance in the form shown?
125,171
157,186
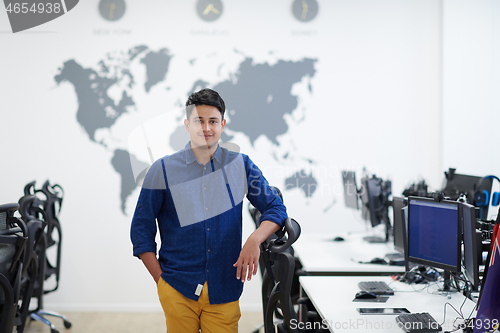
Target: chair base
38,317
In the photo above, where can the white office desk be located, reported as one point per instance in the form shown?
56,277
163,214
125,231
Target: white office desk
320,255
332,297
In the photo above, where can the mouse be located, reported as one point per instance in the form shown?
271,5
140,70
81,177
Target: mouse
365,295
338,239
379,261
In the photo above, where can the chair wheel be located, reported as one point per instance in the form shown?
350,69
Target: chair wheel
54,331
67,324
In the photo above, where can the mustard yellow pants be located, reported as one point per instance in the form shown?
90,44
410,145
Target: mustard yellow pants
183,315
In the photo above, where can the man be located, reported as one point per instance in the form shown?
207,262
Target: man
196,196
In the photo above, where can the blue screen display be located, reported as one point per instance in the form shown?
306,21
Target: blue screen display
433,232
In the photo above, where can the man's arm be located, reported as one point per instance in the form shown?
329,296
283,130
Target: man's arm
248,261
151,262
143,228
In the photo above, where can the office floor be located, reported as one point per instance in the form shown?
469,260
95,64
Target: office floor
100,322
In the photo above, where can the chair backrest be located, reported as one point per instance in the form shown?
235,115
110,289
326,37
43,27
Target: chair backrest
52,207
280,272
29,208
34,256
13,237
46,207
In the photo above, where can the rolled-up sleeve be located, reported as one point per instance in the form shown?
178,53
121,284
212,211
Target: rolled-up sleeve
143,228
262,196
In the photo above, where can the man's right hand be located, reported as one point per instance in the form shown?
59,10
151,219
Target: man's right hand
152,264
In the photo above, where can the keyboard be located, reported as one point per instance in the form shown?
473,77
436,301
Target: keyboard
376,287
418,323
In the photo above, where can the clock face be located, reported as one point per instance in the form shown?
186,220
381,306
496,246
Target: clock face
305,10
209,10
112,10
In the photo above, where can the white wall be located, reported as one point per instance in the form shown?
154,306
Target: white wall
471,79
375,103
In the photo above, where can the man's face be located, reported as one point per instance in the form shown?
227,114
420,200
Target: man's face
205,126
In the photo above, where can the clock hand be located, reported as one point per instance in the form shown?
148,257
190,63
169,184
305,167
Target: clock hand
305,9
111,10
210,8
215,11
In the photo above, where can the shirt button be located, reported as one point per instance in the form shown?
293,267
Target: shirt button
203,188
208,229
206,208
205,168
207,270
208,250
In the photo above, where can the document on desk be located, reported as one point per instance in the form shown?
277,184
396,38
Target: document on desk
380,299
382,311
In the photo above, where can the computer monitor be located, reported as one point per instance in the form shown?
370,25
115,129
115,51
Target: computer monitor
398,226
374,195
350,189
404,216
457,184
434,233
472,247
398,223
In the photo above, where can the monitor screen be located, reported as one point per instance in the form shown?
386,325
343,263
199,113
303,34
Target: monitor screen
434,233
350,189
373,200
398,224
471,250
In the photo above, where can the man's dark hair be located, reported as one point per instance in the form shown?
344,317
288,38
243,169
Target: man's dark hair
205,97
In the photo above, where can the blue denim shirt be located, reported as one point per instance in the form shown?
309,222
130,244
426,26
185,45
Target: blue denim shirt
199,213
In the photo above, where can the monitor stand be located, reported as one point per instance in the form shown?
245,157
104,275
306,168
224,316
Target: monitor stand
377,239
374,239
395,259
395,256
447,281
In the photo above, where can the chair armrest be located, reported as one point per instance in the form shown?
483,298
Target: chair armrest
12,231
10,207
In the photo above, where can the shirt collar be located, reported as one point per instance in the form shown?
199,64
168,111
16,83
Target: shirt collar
190,158
218,154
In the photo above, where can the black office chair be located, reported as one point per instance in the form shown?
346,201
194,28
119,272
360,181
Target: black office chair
278,278
309,313
13,237
295,291
44,207
255,214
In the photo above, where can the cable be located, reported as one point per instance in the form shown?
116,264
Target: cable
444,316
